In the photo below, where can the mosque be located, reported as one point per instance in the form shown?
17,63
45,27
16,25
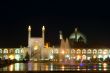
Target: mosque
68,49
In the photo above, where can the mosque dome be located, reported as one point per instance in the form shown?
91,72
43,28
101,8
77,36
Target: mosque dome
78,36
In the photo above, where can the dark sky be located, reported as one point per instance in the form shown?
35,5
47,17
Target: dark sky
91,18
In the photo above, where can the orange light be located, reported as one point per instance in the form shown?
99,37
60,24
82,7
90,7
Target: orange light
11,57
62,51
36,47
104,64
62,67
94,56
46,46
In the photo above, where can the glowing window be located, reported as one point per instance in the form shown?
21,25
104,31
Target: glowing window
35,47
78,51
51,56
22,51
72,51
11,57
0,50
88,58
105,52
5,57
78,57
17,57
5,50
84,57
11,50
94,51
83,51
17,51
100,51
89,51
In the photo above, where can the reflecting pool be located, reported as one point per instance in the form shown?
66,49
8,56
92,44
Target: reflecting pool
34,66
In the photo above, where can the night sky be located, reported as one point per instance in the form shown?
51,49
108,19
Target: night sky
91,18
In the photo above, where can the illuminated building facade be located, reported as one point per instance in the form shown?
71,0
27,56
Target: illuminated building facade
36,45
81,53
13,53
66,51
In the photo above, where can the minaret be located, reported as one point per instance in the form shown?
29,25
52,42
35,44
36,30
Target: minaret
29,37
60,35
43,35
62,42
76,35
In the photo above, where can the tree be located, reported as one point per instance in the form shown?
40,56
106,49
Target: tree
27,56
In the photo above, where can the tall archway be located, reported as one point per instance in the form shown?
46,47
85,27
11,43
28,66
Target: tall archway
5,51
89,51
17,51
84,51
84,57
0,51
94,51
11,50
5,57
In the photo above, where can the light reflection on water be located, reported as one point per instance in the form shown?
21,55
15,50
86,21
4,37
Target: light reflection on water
17,65
55,67
62,67
30,66
11,68
51,67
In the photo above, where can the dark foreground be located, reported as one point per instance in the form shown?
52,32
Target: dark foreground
55,72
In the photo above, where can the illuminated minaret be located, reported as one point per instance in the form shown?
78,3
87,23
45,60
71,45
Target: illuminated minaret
43,35
76,35
62,42
60,35
29,37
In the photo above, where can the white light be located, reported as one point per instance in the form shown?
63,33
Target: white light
84,57
105,52
51,56
67,56
17,57
88,58
36,47
29,28
99,56
105,56
43,28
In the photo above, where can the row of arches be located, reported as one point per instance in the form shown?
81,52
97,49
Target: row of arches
6,51
91,51
17,57
85,57
84,51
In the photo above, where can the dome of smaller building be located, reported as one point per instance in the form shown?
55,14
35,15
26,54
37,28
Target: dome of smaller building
78,36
